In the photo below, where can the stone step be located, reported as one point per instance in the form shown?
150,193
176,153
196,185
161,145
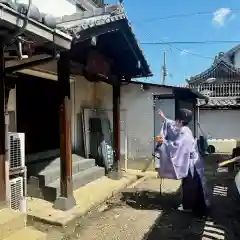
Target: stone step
52,191
11,222
44,165
50,175
27,233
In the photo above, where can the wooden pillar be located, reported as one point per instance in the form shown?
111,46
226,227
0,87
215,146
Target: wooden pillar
116,89
66,200
3,173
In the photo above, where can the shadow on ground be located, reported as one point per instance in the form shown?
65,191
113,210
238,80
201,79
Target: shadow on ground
223,221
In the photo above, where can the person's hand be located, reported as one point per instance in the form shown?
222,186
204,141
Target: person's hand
161,114
159,139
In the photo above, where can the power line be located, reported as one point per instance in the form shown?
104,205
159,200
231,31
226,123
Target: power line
193,54
188,52
181,15
174,16
191,42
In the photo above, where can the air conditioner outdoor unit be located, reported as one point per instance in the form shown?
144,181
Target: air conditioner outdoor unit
16,193
16,146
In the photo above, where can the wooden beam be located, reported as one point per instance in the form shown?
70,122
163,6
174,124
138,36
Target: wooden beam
15,65
66,200
2,130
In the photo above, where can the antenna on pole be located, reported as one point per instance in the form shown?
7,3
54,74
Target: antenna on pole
164,68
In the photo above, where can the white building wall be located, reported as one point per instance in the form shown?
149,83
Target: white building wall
137,116
82,96
140,118
220,124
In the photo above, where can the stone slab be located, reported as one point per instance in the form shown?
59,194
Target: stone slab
87,198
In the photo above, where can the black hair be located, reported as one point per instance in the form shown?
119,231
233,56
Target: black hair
185,116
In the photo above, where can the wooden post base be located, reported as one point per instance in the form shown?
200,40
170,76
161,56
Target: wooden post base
65,204
115,173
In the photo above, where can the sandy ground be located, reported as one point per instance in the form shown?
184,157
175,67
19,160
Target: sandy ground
142,213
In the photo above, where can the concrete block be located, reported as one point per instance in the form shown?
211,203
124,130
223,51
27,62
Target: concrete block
46,164
52,174
52,191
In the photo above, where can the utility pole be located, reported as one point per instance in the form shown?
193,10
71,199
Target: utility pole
164,68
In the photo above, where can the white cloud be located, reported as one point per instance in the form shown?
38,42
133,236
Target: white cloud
185,52
221,15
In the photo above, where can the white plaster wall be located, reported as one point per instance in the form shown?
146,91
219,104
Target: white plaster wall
140,118
57,8
220,124
137,116
137,112
82,96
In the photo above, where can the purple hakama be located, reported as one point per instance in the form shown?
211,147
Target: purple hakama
178,158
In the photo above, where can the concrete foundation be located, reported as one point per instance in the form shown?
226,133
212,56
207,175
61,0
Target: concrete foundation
65,204
44,177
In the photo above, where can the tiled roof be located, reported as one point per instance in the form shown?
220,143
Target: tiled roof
223,60
77,24
222,63
220,101
39,27
74,26
34,14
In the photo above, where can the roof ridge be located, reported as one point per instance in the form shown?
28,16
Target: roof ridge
216,64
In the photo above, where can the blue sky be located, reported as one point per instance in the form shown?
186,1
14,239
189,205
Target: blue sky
221,24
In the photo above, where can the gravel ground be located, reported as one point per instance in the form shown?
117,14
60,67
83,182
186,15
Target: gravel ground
142,213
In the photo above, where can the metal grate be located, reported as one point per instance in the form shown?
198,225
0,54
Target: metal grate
15,151
16,186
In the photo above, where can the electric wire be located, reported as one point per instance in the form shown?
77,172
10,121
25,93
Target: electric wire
187,52
182,15
206,42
